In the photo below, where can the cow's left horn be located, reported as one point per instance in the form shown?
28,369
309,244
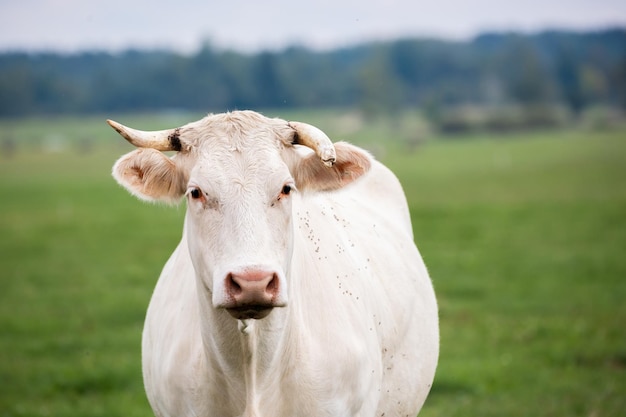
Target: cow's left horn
161,140
315,139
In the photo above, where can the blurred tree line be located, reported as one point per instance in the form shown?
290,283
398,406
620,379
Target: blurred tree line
569,69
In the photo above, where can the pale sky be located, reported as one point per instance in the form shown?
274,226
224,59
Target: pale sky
247,25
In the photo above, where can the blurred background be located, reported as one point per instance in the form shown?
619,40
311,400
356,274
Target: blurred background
504,121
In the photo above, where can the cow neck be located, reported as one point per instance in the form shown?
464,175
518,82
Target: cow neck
255,354
263,357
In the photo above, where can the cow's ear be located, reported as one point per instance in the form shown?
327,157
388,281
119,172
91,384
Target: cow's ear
150,175
310,173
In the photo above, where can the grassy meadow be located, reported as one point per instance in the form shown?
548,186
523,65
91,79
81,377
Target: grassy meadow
524,236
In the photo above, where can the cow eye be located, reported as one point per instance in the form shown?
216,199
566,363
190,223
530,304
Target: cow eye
286,189
195,193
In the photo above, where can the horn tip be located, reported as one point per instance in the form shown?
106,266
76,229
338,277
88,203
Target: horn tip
115,125
327,155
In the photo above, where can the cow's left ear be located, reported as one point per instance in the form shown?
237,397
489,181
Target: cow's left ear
150,175
311,173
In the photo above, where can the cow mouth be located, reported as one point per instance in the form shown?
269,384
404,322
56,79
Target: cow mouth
247,312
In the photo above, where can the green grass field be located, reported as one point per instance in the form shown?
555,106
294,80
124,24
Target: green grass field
524,236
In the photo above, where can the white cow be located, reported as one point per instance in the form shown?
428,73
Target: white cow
296,289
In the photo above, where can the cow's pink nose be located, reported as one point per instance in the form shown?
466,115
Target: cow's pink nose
251,290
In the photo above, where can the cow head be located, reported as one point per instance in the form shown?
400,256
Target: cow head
239,172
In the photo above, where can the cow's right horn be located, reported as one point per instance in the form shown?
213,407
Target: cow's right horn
161,140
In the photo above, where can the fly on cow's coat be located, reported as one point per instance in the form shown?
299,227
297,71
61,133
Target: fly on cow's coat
296,289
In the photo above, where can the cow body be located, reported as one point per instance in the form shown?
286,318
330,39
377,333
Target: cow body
354,334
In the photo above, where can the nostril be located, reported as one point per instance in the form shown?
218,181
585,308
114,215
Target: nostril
232,287
272,286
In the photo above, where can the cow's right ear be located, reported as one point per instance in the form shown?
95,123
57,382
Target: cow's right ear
150,175
311,173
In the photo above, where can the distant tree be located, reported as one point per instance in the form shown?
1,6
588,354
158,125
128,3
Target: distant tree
568,75
617,79
17,96
529,81
380,90
576,69
268,87
406,67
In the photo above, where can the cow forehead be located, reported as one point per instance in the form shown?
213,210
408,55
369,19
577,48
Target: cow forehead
241,130
223,166
239,160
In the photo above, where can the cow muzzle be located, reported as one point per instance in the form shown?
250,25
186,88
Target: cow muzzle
252,293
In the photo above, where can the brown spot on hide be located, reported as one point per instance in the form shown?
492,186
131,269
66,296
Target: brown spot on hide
174,139
295,140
